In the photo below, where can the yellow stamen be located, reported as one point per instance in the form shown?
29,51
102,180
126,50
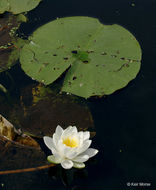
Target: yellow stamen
71,142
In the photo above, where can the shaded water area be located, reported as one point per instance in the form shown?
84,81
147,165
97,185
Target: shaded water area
124,122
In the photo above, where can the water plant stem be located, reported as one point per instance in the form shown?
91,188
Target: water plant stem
26,169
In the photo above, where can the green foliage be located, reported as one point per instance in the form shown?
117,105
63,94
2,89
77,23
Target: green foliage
17,6
98,59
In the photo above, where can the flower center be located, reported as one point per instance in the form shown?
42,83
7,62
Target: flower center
71,142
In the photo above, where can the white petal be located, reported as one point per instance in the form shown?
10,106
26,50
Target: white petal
71,154
49,142
85,146
90,152
67,164
55,139
59,131
73,129
54,159
86,135
80,137
67,131
57,135
81,158
66,150
61,147
78,165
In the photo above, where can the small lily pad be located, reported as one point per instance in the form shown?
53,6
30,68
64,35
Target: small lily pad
98,59
17,6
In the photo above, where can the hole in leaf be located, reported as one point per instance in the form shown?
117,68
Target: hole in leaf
74,78
85,61
74,51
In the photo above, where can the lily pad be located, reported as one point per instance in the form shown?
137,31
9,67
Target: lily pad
17,6
15,156
98,59
8,131
10,44
42,110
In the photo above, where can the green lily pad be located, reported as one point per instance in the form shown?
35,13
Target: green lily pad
98,59
17,6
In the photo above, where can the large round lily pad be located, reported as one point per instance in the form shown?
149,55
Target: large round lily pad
17,6
98,59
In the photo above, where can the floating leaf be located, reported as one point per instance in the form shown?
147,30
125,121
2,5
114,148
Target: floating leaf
25,167
42,110
16,157
98,59
10,44
8,131
17,6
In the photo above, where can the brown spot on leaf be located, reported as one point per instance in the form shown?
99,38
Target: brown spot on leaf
114,56
90,51
85,61
103,53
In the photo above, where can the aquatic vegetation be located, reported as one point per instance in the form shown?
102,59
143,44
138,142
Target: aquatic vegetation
97,59
3,89
17,6
10,43
69,147
45,108
9,132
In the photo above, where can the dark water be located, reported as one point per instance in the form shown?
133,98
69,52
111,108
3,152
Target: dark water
125,121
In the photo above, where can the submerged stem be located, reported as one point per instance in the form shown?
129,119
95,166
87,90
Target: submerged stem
26,169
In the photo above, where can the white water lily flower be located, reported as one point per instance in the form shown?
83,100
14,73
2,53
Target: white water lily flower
69,147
